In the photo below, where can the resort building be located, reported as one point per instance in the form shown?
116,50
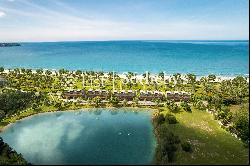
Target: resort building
170,95
103,94
149,96
186,96
123,95
73,94
178,96
129,95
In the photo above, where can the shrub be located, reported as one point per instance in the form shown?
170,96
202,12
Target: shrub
114,101
10,157
161,109
171,119
241,124
186,107
186,146
200,106
167,145
172,106
159,119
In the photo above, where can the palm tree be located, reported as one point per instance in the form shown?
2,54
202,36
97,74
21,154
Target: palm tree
110,75
29,72
147,77
206,85
178,80
130,75
161,74
97,101
211,77
17,71
61,71
125,102
191,80
39,71
23,70
1,69
114,101
78,72
48,72
129,84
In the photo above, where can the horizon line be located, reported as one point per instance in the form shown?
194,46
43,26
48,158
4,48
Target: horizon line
207,40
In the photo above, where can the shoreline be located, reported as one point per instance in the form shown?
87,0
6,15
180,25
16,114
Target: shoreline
139,75
72,110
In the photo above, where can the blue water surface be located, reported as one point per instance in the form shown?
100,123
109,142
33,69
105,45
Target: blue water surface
198,57
97,136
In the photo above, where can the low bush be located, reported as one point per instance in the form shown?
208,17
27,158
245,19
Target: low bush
158,119
167,145
186,107
170,119
186,146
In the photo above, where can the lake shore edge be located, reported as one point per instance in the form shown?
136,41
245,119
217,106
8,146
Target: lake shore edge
4,127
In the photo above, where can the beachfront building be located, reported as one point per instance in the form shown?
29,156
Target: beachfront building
178,96
73,94
103,94
90,94
170,95
123,95
129,95
186,96
149,96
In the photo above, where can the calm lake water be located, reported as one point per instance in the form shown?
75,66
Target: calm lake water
198,57
99,136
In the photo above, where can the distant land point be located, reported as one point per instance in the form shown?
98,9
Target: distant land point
9,44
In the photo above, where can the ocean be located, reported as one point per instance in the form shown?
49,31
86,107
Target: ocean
227,58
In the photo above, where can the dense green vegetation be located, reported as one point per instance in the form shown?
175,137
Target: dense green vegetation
167,141
9,156
186,132
240,123
12,101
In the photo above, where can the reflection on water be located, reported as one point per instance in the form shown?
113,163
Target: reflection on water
58,114
97,112
99,136
114,112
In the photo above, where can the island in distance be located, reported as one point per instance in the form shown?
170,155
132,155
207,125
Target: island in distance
9,44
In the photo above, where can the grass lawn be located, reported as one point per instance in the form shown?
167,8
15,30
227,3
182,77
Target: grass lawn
235,108
211,144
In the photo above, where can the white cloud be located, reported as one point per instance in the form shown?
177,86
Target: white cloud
2,14
41,23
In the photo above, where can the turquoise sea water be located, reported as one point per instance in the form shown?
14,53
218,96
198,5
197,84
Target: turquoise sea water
199,57
98,137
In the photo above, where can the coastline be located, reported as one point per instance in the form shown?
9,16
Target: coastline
139,76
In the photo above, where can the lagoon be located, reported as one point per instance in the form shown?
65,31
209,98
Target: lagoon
95,136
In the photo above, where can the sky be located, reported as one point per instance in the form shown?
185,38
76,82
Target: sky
87,20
